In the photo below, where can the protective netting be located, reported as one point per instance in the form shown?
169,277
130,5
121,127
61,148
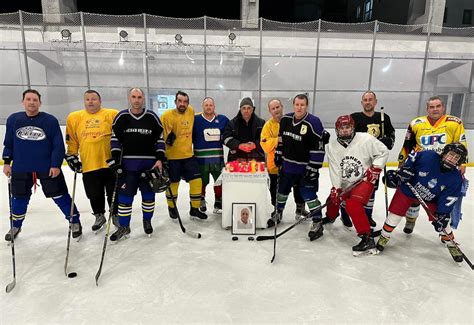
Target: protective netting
64,54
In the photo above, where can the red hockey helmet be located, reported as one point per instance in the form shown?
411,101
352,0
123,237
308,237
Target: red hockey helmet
345,120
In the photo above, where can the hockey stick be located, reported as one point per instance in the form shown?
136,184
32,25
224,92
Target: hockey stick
301,220
187,232
384,167
12,284
107,230
425,206
71,213
276,216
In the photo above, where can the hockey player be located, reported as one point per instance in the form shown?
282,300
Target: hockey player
431,132
208,141
438,182
137,146
269,142
355,159
35,149
370,121
300,153
242,133
178,132
88,133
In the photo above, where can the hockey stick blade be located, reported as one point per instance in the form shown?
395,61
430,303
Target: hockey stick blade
425,206
260,238
10,286
189,233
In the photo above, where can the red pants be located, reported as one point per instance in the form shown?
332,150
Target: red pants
355,201
400,204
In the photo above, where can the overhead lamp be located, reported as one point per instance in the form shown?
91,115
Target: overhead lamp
178,38
232,38
66,34
123,36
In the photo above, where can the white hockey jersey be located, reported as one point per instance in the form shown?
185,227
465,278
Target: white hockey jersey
348,164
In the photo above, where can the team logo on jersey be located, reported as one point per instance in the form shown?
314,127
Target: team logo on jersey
32,133
432,183
442,187
373,129
433,139
351,167
92,123
423,174
418,121
304,129
462,138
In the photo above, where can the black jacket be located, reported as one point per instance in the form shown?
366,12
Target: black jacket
232,138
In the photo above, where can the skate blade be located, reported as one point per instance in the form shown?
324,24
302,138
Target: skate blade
372,251
121,239
78,238
217,211
196,218
99,230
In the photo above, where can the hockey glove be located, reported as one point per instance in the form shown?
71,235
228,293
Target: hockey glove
115,166
387,142
441,222
278,160
404,174
372,174
311,175
326,136
74,163
170,138
391,179
335,196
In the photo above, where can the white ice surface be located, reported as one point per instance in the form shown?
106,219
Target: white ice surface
173,278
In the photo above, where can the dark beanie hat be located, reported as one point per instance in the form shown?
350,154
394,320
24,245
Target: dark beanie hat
246,101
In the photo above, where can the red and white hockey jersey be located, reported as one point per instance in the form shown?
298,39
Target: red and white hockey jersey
348,164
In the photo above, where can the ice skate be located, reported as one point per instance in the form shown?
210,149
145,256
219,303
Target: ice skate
300,212
15,231
99,221
196,213
121,233
409,225
276,215
76,229
217,207
381,243
173,212
372,222
327,220
365,247
147,227
202,206
455,253
316,229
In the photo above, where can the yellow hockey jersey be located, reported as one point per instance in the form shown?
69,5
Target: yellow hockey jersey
89,136
421,135
182,127
269,142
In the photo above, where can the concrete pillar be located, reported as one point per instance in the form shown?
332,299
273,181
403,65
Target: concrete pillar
249,13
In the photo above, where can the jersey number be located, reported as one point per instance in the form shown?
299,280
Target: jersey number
451,200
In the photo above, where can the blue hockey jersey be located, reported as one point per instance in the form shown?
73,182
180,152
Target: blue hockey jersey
208,139
431,182
34,144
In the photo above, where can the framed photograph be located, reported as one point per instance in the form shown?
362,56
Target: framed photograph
243,218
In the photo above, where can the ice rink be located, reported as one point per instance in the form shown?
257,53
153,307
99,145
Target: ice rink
173,278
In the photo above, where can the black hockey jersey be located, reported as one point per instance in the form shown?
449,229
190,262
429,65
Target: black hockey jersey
373,126
139,139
